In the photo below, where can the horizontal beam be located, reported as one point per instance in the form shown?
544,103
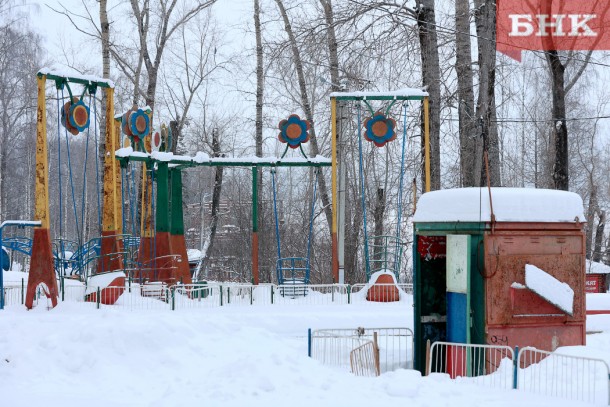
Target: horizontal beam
181,163
378,97
72,79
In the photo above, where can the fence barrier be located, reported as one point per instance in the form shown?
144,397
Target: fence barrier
333,346
487,365
569,377
207,295
364,360
529,369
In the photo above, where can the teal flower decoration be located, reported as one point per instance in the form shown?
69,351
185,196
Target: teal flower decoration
294,131
379,129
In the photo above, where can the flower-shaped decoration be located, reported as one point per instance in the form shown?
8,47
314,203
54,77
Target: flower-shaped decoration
75,116
135,123
379,129
294,131
156,141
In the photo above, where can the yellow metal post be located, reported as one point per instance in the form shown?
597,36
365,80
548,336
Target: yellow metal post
427,142
334,238
41,208
109,216
118,211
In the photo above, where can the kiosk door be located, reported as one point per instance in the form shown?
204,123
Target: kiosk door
458,301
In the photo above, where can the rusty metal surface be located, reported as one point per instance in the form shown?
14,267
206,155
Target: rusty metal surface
178,246
118,207
543,336
41,268
519,314
41,187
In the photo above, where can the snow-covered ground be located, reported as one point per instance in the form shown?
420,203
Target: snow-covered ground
225,356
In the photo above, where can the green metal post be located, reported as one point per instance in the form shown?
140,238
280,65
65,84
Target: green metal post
251,299
221,296
349,292
271,294
177,216
255,225
98,298
228,295
173,299
63,289
162,220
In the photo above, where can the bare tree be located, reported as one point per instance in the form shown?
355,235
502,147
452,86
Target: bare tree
431,75
470,159
306,105
164,18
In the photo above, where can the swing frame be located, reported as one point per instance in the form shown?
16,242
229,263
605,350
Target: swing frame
406,94
41,266
297,268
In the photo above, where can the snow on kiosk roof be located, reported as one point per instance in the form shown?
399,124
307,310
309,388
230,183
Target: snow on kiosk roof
509,205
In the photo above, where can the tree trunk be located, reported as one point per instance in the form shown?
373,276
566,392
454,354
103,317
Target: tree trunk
260,83
259,80
378,219
105,38
215,203
175,129
560,129
314,149
591,211
469,169
599,237
431,75
331,42
485,18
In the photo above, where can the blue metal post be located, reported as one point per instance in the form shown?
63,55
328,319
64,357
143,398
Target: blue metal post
515,368
21,224
1,271
309,342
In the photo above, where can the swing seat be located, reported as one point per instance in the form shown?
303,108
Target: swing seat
293,276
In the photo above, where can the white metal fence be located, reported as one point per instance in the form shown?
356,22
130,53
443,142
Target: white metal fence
569,377
206,295
364,360
333,346
529,369
487,365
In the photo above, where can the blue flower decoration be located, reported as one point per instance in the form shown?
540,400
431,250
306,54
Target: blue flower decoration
139,123
294,131
379,129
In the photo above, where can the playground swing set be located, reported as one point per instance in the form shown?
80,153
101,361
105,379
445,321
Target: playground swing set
158,254
478,258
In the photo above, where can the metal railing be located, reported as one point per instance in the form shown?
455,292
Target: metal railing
569,377
364,360
488,365
137,295
333,346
